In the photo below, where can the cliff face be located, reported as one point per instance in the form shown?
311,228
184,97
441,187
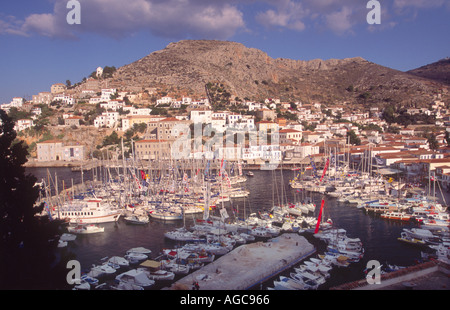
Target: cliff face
251,73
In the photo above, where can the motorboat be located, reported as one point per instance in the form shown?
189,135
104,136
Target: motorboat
62,244
89,279
307,275
67,237
137,219
85,229
423,234
101,270
135,258
286,283
127,286
140,250
395,215
166,215
160,275
404,237
121,261
136,255
182,234
176,268
261,232
137,277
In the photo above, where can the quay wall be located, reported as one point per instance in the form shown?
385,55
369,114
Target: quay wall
249,265
395,280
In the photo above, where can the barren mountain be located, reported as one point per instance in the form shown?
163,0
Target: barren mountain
438,71
250,73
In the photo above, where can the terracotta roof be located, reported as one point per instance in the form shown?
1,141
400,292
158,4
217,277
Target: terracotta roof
52,141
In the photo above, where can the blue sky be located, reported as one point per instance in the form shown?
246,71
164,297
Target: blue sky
38,47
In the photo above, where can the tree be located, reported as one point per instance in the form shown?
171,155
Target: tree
447,138
25,260
432,142
353,138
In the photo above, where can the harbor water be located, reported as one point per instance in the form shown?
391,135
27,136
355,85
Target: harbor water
379,236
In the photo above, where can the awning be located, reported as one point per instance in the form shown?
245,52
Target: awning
151,264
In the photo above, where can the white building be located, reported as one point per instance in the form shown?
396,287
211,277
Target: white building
107,119
266,152
246,122
23,124
305,149
64,99
164,100
43,98
112,105
201,116
99,72
106,94
233,118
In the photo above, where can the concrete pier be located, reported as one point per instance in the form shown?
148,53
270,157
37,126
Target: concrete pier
249,265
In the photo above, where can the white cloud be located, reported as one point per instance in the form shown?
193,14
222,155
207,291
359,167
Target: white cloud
419,3
209,19
340,22
118,18
288,14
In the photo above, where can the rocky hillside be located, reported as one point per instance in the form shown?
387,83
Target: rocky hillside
437,71
250,73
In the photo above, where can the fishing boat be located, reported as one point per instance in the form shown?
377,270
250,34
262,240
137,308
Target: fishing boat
85,229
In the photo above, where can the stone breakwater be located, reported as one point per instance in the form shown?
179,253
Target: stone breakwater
249,265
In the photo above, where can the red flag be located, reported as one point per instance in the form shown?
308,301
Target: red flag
325,169
142,174
320,217
220,171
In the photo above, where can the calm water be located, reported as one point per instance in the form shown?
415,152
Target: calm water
378,236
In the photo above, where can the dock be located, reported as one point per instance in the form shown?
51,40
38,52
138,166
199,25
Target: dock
249,265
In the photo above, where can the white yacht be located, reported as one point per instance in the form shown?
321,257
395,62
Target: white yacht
89,211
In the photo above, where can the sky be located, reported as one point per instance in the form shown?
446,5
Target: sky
40,46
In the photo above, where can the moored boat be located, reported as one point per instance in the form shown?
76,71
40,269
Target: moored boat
395,215
86,229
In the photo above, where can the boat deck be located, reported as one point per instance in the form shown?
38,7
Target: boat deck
249,265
